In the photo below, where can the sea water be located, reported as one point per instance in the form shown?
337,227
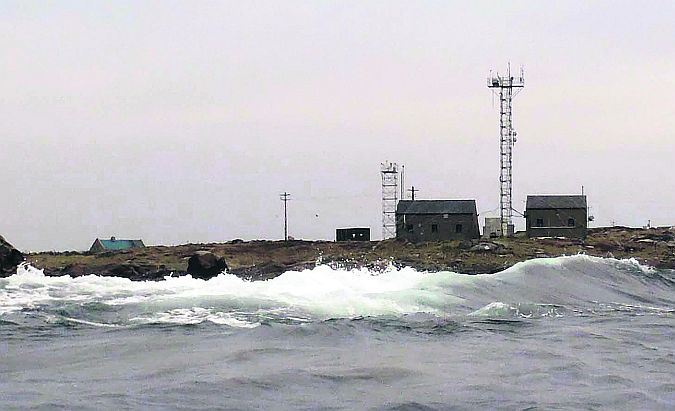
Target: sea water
567,333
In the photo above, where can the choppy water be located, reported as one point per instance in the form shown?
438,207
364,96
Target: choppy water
565,333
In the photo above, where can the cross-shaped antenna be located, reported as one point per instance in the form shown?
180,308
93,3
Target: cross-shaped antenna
413,190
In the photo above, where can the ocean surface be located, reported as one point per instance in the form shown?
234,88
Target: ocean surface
568,333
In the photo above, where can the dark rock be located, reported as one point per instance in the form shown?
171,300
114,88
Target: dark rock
263,271
269,269
661,236
74,270
204,264
607,246
134,272
479,268
486,247
465,244
125,271
10,258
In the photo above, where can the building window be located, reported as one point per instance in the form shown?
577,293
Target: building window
570,222
409,228
434,228
458,228
540,222
446,216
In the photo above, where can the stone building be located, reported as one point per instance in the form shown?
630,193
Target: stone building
114,245
437,220
556,216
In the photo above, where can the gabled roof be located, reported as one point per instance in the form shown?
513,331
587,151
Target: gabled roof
436,207
116,245
556,202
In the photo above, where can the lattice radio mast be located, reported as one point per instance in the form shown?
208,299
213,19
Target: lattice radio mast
389,173
506,85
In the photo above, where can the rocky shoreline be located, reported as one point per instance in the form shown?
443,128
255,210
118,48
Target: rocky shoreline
10,257
262,260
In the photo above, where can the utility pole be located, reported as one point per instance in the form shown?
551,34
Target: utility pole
413,190
285,197
403,182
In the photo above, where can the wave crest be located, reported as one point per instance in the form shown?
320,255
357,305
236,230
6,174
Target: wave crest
538,288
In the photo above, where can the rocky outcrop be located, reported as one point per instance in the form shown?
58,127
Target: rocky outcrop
486,247
134,272
269,269
204,264
10,258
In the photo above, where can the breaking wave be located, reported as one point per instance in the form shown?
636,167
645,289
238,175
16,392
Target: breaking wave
541,288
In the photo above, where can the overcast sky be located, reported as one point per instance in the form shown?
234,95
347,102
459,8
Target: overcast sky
183,121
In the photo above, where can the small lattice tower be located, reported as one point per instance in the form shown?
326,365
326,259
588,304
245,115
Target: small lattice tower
389,173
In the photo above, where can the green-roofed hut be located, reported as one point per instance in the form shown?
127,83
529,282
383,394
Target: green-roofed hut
114,245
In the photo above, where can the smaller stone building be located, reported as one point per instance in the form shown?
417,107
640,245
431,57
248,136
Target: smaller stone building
437,220
492,227
556,216
352,234
114,245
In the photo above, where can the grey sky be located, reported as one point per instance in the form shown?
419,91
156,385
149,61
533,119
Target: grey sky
182,121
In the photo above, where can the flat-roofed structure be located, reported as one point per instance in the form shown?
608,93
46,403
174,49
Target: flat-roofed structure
556,216
352,234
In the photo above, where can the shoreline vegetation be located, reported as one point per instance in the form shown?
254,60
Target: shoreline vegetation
263,259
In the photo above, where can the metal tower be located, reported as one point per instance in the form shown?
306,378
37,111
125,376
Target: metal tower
506,85
389,173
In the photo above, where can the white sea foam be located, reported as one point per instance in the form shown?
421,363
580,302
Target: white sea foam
95,324
194,315
322,292
526,289
499,309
